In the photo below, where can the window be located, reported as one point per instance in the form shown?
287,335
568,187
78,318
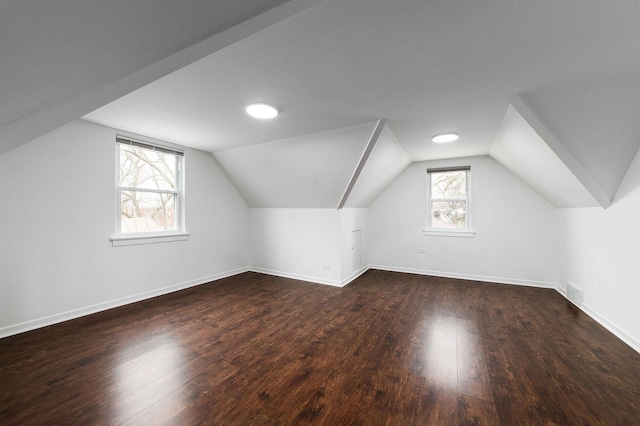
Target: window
149,190
448,201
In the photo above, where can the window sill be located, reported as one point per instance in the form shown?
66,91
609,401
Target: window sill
147,239
441,233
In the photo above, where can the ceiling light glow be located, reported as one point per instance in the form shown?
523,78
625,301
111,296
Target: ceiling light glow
263,111
445,137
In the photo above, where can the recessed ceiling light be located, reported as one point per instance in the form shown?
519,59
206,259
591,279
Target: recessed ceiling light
260,110
445,137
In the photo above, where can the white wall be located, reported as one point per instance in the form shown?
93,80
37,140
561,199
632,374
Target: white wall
57,214
297,243
600,253
301,243
515,228
56,259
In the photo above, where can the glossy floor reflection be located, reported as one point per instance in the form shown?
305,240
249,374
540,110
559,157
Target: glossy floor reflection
161,368
389,348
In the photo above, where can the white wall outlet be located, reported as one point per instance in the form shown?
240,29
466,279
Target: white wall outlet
326,266
422,250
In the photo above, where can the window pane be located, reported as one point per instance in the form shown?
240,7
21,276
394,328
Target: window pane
448,214
144,168
449,185
147,212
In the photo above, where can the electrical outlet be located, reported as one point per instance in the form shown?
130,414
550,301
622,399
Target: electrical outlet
326,266
422,250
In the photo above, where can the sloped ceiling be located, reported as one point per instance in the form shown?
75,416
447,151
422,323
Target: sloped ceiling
310,171
523,151
385,163
60,60
427,67
598,122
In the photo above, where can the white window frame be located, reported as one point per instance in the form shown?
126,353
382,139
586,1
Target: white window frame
134,238
465,232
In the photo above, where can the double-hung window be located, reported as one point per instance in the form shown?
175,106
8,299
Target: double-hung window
149,190
448,198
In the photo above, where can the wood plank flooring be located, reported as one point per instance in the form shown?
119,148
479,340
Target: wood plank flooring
388,349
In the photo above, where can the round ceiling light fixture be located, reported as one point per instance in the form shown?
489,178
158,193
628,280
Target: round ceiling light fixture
260,110
445,137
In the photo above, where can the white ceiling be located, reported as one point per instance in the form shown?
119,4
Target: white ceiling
598,122
517,143
385,162
426,67
60,60
307,171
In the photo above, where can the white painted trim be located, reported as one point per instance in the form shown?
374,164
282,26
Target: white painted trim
77,313
562,291
617,331
363,160
439,232
459,234
354,276
147,239
80,312
315,280
177,234
610,326
498,280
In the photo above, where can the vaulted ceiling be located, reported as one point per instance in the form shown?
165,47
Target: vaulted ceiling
559,81
60,60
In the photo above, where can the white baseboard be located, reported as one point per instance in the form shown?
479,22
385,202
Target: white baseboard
617,331
600,319
355,275
562,291
499,280
316,280
76,313
307,278
80,312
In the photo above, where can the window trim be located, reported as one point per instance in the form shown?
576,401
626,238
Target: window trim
134,238
467,231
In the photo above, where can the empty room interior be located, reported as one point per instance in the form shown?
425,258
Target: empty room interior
320,212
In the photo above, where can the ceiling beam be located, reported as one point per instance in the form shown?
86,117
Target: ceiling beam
363,160
574,166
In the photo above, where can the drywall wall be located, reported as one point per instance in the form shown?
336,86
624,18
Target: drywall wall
297,243
515,228
313,245
600,254
58,213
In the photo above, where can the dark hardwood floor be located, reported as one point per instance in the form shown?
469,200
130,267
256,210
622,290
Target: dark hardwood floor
389,348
